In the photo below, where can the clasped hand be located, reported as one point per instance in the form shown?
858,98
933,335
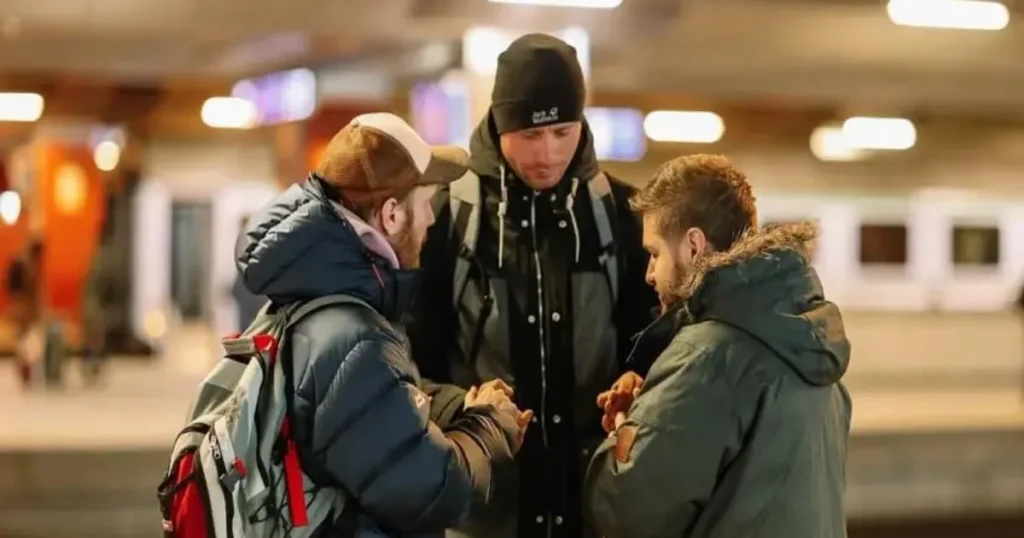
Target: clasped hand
498,394
615,401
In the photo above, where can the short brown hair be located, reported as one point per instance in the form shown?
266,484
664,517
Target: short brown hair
702,191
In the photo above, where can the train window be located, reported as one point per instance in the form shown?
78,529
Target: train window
884,244
975,245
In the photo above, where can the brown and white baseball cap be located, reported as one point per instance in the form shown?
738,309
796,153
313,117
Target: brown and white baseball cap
379,156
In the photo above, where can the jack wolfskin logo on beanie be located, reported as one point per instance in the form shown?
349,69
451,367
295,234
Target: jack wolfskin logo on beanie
539,82
545,116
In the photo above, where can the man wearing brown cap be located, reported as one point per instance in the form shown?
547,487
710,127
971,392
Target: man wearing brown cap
534,274
361,420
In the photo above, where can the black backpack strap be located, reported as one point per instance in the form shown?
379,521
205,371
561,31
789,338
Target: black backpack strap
602,202
465,200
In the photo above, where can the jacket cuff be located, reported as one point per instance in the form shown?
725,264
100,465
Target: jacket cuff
446,402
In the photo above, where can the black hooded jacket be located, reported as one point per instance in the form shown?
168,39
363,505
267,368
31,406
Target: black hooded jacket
554,331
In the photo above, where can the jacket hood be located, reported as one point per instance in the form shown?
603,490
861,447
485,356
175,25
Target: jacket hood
485,157
299,247
765,285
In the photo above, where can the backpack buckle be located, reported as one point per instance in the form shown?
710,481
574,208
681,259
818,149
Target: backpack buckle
236,472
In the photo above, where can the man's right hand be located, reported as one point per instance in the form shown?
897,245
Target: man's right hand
498,394
489,393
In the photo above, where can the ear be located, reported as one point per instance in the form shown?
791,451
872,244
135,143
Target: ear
391,217
696,242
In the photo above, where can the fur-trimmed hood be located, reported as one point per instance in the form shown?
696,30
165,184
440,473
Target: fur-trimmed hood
797,239
765,286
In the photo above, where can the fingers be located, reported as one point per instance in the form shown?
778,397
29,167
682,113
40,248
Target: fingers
617,401
471,396
497,384
608,423
524,418
602,398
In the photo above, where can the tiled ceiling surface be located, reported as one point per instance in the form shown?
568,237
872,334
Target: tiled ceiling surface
819,50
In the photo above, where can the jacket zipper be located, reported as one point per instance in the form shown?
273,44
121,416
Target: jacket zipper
540,335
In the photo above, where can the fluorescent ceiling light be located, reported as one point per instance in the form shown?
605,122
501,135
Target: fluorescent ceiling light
106,155
10,207
585,4
955,14
829,144
228,113
684,126
481,46
879,133
21,107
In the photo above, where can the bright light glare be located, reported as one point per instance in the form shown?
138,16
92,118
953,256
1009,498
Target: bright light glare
829,144
684,126
21,107
586,4
955,14
10,207
106,155
155,325
228,113
879,133
481,46
71,189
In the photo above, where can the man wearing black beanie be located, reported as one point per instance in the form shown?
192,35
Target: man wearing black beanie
534,274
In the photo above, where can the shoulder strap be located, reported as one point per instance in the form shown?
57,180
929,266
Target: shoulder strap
298,311
465,225
602,202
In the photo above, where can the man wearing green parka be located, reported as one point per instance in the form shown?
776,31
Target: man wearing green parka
740,428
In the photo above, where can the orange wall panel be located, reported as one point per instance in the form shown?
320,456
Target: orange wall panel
70,230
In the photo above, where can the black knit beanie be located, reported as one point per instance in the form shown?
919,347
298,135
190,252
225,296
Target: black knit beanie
539,82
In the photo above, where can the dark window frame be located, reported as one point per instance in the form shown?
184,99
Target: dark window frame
992,250
871,248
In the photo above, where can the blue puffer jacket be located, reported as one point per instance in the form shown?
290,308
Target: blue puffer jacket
362,422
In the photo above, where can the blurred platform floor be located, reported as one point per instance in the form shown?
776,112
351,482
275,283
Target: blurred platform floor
85,463
141,404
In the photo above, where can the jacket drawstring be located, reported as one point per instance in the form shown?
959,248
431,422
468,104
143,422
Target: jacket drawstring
502,209
570,201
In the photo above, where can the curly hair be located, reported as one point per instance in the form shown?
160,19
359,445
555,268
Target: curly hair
702,191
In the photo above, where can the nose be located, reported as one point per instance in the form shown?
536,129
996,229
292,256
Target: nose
649,276
546,148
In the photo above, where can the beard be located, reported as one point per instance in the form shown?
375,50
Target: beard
407,247
669,292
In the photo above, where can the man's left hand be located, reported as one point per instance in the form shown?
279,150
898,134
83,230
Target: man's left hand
615,402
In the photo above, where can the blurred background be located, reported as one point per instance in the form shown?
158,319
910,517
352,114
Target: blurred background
135,137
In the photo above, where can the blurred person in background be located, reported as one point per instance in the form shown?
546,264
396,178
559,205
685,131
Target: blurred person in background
740,427
534,274
99,301
355,227
25,288
247,303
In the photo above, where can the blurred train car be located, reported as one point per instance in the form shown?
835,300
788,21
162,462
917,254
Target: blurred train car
927,283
